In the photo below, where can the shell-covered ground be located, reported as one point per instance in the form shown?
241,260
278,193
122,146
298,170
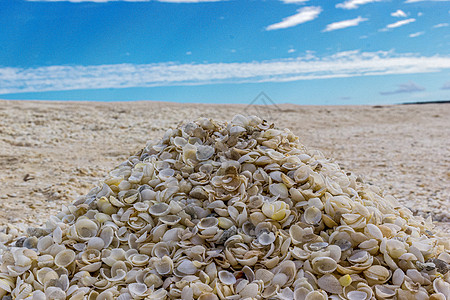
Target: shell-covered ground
51,152
229,210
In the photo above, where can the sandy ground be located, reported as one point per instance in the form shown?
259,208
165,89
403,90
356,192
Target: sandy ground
50,152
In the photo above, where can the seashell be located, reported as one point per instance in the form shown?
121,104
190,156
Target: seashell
330,284
398,277
56,293
164,266
208,297
226,277
343,244
225,223
441,266
85,229
373,232
130,197
137,290
384,292
312,215
324,265
159,209
96,243
357,295
45,275
138,259
376,273
395,248
249,291
315,295
438,296
302,174
276,211
345,281
170,219
279,189
317,246
206,223
187,267
64,258
442,287
204,152
266,238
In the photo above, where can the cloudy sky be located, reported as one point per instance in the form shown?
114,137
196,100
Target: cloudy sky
297,51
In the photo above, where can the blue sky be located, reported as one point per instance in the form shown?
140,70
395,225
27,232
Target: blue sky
304,52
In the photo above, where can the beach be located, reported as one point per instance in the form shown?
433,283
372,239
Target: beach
52,152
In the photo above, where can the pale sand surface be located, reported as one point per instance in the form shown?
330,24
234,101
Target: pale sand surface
50,152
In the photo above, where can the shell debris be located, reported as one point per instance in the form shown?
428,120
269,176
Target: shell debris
237,210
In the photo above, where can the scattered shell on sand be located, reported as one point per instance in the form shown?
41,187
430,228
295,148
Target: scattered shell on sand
237,210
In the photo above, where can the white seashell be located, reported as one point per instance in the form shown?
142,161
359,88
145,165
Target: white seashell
226,277
249,291
384,292
170,219
187,267
96,243
137,290
206,223
38,295
164,266
316,295
44,244
204,152
442,287
85,229
207,297
55,293
64,258
357,295
266,238
265,275
330,284
373,232
324,265
398,277
159,209
279,189
378,274
312,215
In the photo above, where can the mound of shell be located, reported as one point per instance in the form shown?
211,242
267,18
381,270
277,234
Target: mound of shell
237,210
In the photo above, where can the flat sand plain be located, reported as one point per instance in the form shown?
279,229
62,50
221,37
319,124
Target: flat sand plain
51,152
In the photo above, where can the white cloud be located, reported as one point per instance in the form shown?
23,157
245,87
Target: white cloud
304,14
441,25
408,87
400,23
308,67
291,50
399,14
414,1
416,34
104,1
188,53
294,1
344,24
186,1
352,4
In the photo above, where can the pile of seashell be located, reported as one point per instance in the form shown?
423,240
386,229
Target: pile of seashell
237,210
